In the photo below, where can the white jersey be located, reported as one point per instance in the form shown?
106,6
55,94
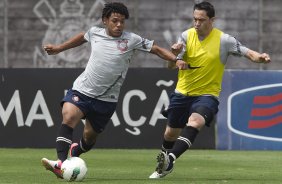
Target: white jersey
108,63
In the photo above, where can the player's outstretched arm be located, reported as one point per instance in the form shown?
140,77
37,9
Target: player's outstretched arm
169,56
75,41
258,57
176,48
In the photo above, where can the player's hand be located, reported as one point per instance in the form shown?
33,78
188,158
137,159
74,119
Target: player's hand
264,58
176,48
51,49
181,65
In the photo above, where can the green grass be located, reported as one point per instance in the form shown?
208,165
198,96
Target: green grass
107,166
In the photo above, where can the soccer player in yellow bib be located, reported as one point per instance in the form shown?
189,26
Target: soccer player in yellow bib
194,103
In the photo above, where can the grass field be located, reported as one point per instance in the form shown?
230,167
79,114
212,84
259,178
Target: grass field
107,166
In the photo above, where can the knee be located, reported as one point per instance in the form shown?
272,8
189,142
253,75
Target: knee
70,118
71,114
170,135
196,121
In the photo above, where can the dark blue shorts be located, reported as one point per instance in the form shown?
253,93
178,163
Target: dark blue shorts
181,107
96,111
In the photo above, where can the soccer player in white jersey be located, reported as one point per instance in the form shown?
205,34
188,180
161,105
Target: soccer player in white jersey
95,92
194,103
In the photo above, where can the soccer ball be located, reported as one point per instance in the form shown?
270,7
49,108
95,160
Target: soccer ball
74,169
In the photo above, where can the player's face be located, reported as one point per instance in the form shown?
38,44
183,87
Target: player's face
115,24
202,23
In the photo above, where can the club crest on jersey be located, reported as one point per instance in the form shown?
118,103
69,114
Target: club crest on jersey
122,45
75,98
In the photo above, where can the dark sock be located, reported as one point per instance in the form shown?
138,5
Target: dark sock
82,148
167,145
184,141
171,161
63,142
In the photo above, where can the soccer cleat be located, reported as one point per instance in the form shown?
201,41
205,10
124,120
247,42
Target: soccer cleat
71,151
164,167
53,166
156,175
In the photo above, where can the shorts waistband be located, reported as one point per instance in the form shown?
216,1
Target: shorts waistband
177,92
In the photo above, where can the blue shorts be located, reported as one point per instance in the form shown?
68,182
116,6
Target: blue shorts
181,107
97,112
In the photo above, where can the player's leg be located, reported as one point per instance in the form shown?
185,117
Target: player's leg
202,113
176,114
170,136
71,111
97,119
86,142
183,142
71,117
188,135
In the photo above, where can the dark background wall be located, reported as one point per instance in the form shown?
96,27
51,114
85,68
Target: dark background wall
31,111
26,25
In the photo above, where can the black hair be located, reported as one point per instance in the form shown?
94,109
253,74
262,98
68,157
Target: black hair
206,6
115,7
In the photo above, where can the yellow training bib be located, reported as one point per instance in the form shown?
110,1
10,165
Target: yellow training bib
205,72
